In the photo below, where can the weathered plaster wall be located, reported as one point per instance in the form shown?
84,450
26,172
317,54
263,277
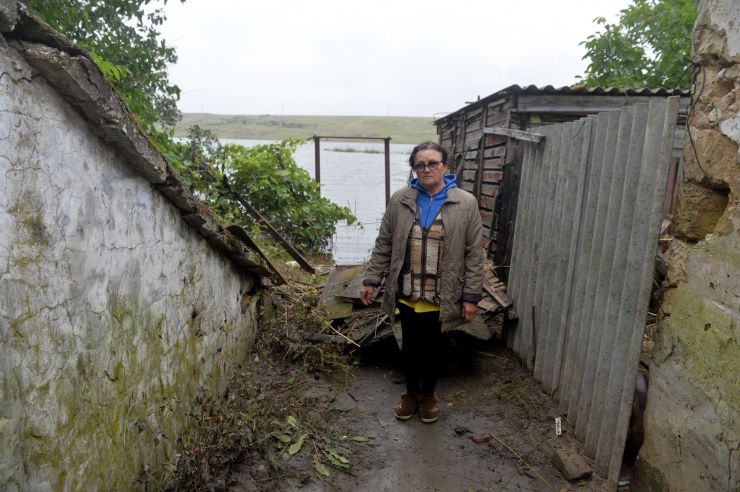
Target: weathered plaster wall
692,421
115,315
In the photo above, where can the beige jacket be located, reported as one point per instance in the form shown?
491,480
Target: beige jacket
462,272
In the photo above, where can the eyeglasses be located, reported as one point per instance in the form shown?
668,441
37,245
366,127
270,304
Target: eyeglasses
421,165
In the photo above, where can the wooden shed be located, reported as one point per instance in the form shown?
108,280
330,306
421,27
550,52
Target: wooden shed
488,163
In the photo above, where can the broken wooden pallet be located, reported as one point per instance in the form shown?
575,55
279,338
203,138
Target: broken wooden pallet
367,324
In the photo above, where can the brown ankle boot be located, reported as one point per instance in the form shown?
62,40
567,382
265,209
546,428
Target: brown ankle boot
428,411
408,406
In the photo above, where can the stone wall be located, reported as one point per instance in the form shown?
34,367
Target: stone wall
692,421
115,314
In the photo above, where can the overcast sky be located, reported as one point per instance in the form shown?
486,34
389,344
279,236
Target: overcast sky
402,57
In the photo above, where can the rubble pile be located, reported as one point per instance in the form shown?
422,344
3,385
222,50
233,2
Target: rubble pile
359,325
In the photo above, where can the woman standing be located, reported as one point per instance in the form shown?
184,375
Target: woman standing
429,249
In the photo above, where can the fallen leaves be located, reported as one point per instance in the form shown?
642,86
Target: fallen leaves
296,446
321,469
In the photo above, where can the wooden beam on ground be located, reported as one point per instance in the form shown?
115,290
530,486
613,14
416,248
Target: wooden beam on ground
242,236
511,133
292,251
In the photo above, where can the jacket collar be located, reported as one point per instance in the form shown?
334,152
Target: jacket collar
450,181
409,195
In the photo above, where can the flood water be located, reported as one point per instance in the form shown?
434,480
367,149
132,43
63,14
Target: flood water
356,180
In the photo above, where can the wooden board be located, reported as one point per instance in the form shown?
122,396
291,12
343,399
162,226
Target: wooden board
500,296
473,136
473,125
492,140
486,202
242,236
499,118
468,175
492,176
498,151
352,291
501,102
486,304
489,189
476,328
338,280
493,163
512,133
473,113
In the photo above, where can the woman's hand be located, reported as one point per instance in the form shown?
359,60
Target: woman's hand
468,311
367,294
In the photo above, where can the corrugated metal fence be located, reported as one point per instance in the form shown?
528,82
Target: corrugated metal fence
587,229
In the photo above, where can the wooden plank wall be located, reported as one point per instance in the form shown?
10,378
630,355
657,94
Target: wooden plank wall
490,167
583,262
477,159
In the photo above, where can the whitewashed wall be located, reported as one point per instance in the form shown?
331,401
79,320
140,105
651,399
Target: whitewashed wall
114,313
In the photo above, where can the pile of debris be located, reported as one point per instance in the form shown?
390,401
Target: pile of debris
360,325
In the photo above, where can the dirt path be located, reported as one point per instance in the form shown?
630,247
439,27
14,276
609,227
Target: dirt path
479,395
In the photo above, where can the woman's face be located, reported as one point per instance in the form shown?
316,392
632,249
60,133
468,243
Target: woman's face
432,180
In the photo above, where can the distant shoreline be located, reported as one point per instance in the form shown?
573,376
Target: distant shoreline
401,129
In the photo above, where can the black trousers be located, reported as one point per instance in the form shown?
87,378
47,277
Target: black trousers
422,337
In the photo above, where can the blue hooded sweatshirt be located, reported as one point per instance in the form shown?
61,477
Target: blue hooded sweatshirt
430,205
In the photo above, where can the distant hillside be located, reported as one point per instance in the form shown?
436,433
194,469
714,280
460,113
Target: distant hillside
401,129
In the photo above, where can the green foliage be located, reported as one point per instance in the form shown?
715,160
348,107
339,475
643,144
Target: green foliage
111,71
650,46
268,177
124,38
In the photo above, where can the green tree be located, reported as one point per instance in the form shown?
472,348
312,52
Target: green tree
650,46
268,177
124,39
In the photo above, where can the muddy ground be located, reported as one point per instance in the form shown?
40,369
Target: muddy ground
485,396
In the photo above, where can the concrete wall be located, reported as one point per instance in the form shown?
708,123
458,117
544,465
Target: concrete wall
115,315
692,418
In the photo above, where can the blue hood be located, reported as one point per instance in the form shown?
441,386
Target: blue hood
429,205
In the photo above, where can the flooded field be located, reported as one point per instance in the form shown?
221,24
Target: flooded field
352,174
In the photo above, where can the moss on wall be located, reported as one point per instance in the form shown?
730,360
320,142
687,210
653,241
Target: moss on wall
119,407
116,317
693,411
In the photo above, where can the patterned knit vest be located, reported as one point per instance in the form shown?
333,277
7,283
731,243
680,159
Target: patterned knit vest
423,263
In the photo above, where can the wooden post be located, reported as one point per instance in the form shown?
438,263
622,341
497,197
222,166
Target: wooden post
317,158
387,141
480,158
463,148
